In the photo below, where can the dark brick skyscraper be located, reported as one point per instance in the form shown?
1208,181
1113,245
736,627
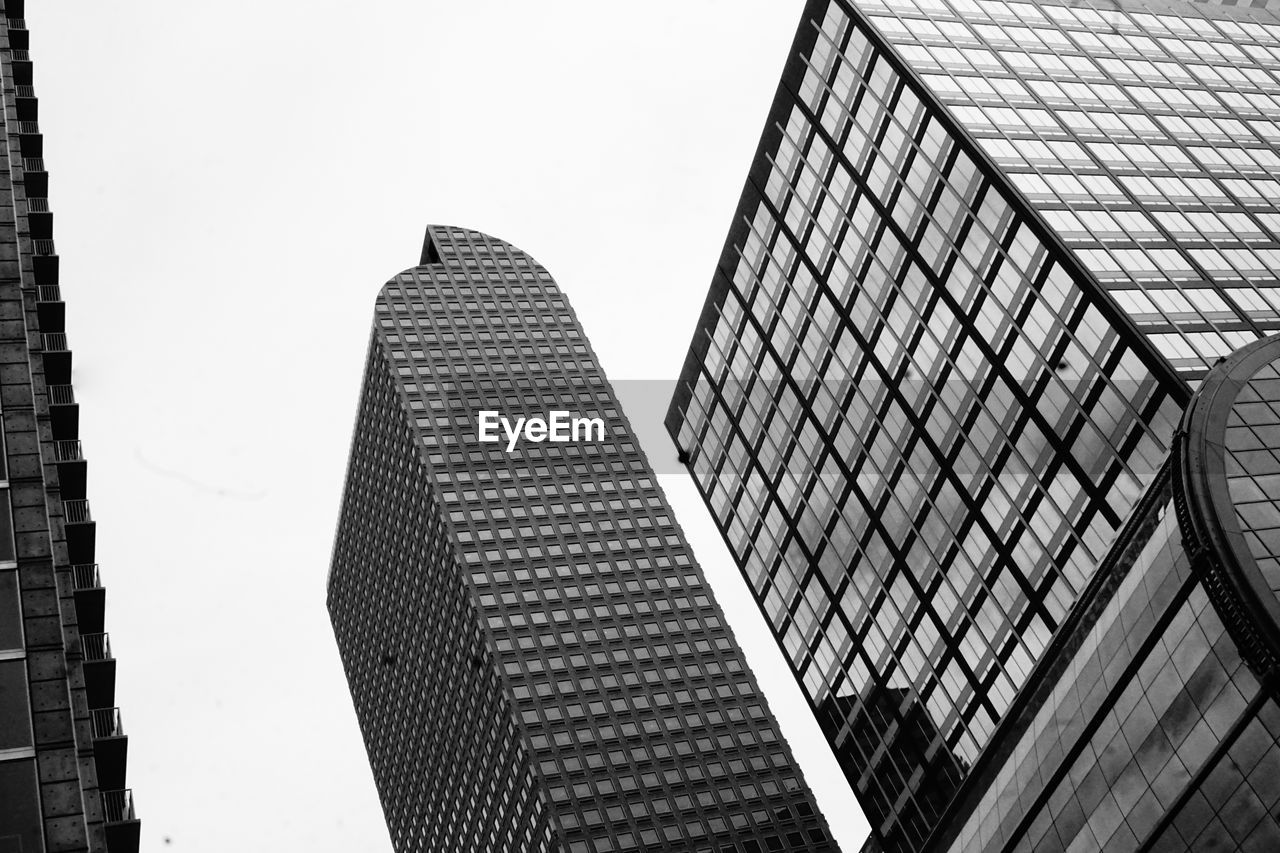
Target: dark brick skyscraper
535,658
62,748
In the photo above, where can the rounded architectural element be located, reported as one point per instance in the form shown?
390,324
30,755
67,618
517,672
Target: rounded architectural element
1227,495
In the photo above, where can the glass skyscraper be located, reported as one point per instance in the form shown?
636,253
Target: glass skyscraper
535,658
985,253
62,745
1157,727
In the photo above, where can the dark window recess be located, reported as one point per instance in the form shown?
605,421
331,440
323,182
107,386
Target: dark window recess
20,818
7,551
10,613
15,709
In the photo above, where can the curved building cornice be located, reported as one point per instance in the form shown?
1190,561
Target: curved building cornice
1226,498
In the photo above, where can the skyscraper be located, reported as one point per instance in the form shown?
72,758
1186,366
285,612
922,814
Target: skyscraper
535,658
1157,725
985,251
62,747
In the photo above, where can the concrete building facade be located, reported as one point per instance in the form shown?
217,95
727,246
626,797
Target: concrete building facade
62,744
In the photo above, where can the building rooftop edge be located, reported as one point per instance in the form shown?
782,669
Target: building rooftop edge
1207,517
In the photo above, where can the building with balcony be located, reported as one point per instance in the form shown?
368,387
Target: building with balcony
986,252
62,744
534,655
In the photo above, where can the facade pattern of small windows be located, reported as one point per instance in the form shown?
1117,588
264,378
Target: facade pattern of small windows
916,419
1148,136
450,766
1253,470
1249,4
645,727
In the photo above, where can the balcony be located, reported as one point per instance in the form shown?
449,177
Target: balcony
90,597
77,524
72,469
21,65
64,412
57,358
25,101
35,177
44,261
19,38
39,217
29,138
110,747
50,309
122,823
99,670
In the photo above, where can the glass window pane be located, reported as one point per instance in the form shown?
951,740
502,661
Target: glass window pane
10,612
7,552
15,710
20,817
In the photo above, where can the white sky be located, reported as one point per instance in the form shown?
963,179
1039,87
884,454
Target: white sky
231,184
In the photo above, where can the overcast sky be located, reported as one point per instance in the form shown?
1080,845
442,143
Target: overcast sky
231,184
